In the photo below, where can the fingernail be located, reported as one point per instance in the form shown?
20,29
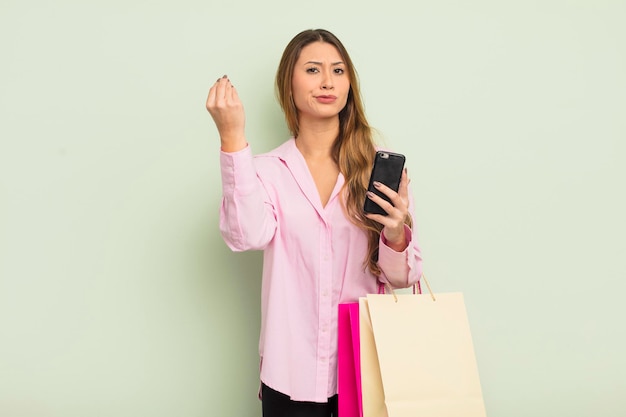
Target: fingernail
377,184
370,194
225,76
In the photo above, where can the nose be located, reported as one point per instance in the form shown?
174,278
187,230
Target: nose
327,82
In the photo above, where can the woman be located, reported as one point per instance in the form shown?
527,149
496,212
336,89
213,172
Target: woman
302,204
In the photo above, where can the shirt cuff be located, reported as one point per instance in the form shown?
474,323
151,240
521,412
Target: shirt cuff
238,172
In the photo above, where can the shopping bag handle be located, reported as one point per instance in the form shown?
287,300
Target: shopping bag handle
417,288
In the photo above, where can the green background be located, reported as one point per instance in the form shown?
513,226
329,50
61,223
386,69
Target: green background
118,296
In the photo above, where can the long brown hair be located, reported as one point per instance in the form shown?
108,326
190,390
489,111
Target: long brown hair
354,148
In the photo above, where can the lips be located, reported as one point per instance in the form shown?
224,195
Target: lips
326,99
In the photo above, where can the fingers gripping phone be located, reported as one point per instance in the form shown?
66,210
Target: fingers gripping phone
387,169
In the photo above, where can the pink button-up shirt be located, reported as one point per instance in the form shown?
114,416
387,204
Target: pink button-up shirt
313,260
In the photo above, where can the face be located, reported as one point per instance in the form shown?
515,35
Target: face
320,83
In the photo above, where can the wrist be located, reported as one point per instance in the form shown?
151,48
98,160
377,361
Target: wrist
233,143
396,241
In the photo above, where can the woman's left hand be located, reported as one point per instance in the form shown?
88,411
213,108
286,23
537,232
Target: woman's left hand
397,212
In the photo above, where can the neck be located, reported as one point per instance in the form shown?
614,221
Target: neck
316,139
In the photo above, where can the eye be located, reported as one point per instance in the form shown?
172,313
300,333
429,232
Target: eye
339,71
312,70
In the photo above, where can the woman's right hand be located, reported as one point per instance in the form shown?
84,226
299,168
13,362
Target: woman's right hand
227,112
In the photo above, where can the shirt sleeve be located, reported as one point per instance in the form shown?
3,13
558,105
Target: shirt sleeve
401,269
247,217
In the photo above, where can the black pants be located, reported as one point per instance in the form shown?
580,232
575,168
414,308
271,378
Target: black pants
276,404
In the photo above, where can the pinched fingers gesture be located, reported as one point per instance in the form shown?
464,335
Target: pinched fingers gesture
227,111
397,211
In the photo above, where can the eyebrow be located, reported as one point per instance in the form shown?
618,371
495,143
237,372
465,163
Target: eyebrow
320,63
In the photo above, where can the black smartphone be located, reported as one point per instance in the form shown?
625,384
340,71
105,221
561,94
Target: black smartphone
387,169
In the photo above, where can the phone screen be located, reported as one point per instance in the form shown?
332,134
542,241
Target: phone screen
387,169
